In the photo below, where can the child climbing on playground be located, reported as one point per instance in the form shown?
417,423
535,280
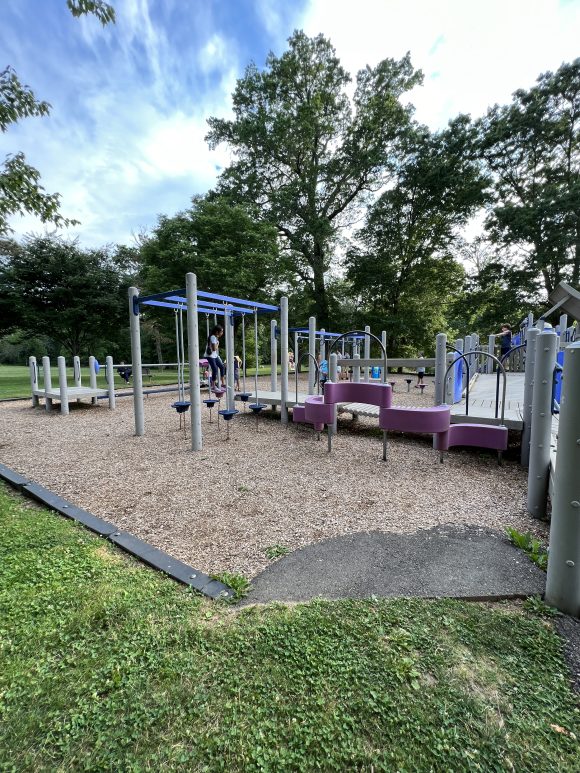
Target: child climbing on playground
420,372
323,370
213,357
505,336
237,366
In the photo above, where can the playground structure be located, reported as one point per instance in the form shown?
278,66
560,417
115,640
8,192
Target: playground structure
66,393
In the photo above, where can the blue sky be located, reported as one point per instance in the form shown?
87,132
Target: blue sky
125,138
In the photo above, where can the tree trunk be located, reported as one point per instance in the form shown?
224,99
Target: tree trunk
320,292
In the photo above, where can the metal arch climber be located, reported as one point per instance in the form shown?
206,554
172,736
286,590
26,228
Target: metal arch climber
364,333
316,366
500,366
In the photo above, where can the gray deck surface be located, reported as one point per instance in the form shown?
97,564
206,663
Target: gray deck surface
482,401
446,561
74,393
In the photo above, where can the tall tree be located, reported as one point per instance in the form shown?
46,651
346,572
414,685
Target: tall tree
532,148
20,188
50,286
403,270
306,154
230,250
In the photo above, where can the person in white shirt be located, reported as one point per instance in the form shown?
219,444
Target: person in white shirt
213,357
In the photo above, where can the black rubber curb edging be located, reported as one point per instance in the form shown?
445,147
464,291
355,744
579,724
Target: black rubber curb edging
145,552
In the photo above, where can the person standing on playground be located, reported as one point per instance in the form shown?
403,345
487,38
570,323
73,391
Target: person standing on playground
213,357
506,339
420,373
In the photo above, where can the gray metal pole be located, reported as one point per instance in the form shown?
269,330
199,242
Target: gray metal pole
333,373
491,350
541,431
296,350
367,352
136,364
440,366
284,359
182,358
273,358
450,384
33,371
110,382
563,327
467,348
244,352
230,381
47,381
531,339
312,352
62,385
563,583
77,371
257,354
178,355
356,368
193,347
92,377
322,344
385,367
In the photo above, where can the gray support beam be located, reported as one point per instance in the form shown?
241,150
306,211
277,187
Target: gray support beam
77,371
273,357
33,371
62,385
110,382
193,352
563,327
312,352
531,339
450,381
384,343
440,366
47,381
322,344
356,368
230,383
92,377
284,359
541,431
296,350
563,582
491,350
367,352
136,365
333,373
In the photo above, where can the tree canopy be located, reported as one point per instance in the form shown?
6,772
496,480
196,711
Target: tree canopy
20,188
532,148
307,155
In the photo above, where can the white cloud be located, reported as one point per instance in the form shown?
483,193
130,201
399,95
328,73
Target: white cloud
472,54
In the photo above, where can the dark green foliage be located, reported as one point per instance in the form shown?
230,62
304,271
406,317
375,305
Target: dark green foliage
107,665
532,148
306,154
403,272
52,287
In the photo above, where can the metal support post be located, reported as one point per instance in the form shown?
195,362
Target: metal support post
33,370
284,359
193,351
312,352
62,385
92,377
491,350
541,430
450,384
273,357
110,382
563,582
333,373
47,381
440,366
136,362
367,352
531,339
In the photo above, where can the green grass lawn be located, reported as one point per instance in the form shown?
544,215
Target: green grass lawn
15,379
107,665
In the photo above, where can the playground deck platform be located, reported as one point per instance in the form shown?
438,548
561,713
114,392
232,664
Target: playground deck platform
73,393
481,402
